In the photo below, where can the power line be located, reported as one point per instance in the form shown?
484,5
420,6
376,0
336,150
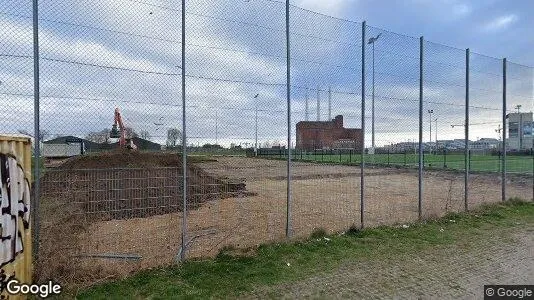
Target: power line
188,44
221,79
240,22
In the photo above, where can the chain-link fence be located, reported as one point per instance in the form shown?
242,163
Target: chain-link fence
295,123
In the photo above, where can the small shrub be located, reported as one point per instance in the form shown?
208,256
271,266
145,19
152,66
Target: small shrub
354,230
318,233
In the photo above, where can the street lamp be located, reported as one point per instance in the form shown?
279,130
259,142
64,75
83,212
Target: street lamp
430,112
436,139
256,125
372,41
520,127
216,127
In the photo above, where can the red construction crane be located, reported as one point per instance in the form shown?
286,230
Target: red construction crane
122,134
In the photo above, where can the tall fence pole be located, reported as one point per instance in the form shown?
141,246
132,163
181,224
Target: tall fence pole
420,192
466,157
503,170
184,144
362,162
36,131
288,94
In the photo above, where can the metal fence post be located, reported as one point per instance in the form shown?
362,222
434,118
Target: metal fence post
467,156
184,144
420,206
36,134
503,170
288,87
362,162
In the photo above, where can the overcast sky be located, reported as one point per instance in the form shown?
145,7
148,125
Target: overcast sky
102,54
498,28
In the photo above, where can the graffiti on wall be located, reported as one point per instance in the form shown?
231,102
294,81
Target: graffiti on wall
15,208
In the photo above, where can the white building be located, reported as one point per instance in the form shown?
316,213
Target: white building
520,131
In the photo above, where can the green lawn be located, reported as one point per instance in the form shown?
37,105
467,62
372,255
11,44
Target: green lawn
233,273
478,162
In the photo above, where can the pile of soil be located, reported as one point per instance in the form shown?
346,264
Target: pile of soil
131,184
123,159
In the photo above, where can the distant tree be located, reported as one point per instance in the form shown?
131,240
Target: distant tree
173,135
145,135
100,137
212,146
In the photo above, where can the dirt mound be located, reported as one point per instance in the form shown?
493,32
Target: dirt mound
124,159
116,185
130,184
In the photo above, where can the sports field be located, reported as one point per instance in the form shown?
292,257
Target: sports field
477,162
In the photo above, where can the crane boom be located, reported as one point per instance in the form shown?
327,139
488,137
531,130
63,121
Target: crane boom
121,132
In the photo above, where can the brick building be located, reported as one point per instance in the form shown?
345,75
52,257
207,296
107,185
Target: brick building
313,135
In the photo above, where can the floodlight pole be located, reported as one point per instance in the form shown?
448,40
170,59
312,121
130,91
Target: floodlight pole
256,125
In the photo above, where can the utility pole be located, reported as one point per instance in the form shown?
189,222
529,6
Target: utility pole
520,127
430,112
498,130
256,125
436,129
318,104
329,103
216,128
307,107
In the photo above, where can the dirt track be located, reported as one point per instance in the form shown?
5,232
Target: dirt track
323,196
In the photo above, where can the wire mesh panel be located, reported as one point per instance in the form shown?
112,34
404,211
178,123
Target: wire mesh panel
16,67
236,110
485,129
519,164
326,122
392,92
443,129
103,222
97,57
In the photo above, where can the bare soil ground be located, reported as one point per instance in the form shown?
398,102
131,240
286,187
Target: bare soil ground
323,196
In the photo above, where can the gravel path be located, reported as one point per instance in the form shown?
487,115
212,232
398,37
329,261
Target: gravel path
456,272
